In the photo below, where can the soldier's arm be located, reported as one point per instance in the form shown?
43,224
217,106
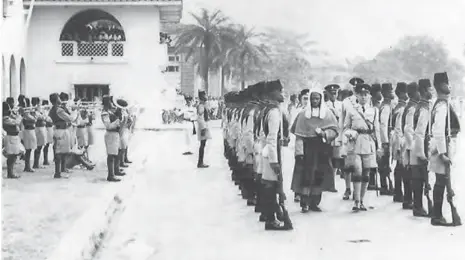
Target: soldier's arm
376,125
106,121
438,128
7,120
274,121
61,113
419,135
347,126
248,136
29,117
409,127
331,133
384,125
200,118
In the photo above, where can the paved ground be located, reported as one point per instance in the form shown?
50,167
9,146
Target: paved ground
181,212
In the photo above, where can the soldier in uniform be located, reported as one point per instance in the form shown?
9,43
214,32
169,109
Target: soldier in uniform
272,161
41,132
335,106
29,134
203,132
112,122
385,117
397,139
361,125
188,114
444,129
419,151
376,99
408,131
124,137
61,118
12,141
49,129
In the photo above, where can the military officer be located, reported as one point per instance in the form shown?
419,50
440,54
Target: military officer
419,152
444,129
361,125
12,141
62,119
41,132
385,117
203,132
397,139
112,122
272,161
335,106
408,132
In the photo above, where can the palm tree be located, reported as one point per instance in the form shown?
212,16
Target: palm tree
203,40
243,53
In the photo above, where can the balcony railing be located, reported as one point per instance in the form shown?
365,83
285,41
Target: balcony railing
92,49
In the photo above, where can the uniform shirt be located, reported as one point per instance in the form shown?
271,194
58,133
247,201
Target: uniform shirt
202,116
109,125
420,133
271,140
385,122
408,127
336,108
438,138
397,137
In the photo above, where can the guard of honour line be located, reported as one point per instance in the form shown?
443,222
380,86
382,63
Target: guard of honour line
66,126
357,133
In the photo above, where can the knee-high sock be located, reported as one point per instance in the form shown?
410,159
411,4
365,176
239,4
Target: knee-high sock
37,152
46,153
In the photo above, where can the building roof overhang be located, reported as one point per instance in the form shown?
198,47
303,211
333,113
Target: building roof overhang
170,10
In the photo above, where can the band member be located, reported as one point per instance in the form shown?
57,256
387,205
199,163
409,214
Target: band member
29,134
419,152
316,127
82,134
361,125
203,132
112,122
408,130
335,106
385,118
397,139
124,135
189,115
272,161
12,141
61,119
41,132
49,129
444,129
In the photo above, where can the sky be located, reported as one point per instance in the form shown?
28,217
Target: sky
350,28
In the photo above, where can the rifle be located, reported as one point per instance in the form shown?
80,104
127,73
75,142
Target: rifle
456,221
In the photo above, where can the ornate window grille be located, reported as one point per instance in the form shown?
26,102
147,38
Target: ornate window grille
92,49
117,49
67,49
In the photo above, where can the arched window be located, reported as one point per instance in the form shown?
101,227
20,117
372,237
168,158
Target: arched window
6,89
22,77
92,33
13,78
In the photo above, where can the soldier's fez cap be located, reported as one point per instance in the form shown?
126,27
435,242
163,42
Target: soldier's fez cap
64,96
188,98
401,88
440,78
28,102
304,92
106,99
45,102
360,88
332,87
6,108
53,97
412,88
35,101
10,100
274,85
355,81
375,88
424,84
21,98
202,93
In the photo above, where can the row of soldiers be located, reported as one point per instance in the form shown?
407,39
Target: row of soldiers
65,125
360,136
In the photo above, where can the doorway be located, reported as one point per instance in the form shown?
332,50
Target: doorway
90,92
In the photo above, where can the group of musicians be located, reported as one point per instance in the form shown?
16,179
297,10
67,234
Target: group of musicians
67,126
357,132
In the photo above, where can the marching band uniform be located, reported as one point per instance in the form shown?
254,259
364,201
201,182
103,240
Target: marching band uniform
385,119
361,124
62,119
408,130
203,132
29,136
112,124
443,118
12,141
419,152
49,129
41,132
124,136
82,134
397,140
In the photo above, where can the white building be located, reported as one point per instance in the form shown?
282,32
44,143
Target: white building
88,47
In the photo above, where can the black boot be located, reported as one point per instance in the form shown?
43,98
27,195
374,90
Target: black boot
10,163
398,195
315,202
438,199
407,181
418,210
126,160
58,162
372,180
37,157
46,154
116,168
111,167
27,161
121,159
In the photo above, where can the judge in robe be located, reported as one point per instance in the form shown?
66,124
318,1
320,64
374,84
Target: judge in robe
315,128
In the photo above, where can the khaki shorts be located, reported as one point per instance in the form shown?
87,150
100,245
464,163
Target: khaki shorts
357,162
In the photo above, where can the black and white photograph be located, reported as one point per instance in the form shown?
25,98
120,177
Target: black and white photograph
232,129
